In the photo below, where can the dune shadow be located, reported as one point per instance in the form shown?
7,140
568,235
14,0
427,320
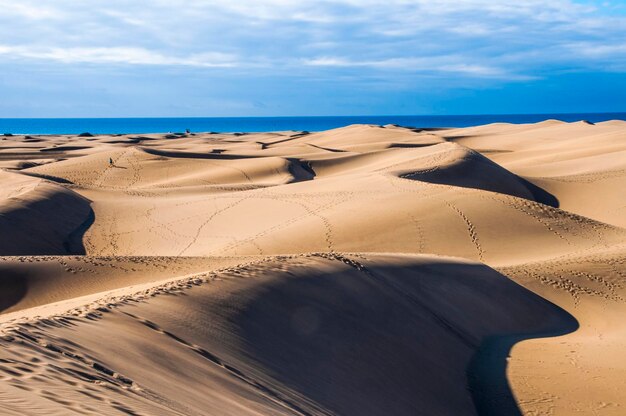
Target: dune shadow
486,374
410,145
427,339
47,177
63,148
73,244
300,170
476,171
50,221
327,149
13,288
424,129
540,194
458,137
193,155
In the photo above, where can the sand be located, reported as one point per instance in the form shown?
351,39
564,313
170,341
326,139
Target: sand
366,270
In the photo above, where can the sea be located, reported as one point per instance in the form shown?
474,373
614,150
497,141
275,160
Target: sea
53,126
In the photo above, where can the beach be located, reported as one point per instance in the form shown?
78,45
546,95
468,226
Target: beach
362,270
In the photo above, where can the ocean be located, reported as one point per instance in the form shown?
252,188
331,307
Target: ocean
263,124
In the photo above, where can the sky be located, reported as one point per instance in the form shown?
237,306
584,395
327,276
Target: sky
194,58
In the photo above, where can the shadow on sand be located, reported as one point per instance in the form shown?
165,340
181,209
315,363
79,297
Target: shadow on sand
13,288
539,194
429,338
487,379
74,242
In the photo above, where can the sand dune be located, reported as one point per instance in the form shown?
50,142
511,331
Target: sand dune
363,270
39,217
321,334
33,282
575,162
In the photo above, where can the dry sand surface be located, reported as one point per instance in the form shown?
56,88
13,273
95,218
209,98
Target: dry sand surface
366,270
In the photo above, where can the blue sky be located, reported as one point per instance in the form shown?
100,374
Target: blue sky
116,58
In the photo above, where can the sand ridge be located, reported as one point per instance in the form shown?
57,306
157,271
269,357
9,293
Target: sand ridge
362,270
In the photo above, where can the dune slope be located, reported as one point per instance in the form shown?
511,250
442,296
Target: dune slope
344,327
39,217
366,270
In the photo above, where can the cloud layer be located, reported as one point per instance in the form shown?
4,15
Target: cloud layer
358,41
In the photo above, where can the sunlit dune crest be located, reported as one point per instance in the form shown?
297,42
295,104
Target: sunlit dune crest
366,270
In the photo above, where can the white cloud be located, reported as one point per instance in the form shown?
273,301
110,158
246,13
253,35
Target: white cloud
599,49
20,9
116,55
435,64
473,38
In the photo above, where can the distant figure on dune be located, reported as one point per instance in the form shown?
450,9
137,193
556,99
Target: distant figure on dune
110,161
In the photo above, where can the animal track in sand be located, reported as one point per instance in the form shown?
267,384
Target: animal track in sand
43,360
471,229
37,353
208,220
588,177
308,213
558,275
266,391
421,237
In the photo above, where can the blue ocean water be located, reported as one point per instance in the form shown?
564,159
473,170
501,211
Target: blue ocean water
263,124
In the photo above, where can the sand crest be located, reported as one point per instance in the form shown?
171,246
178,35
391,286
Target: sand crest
366,270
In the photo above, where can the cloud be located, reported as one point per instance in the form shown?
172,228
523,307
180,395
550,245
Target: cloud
599,49
471,38
445,64
116,55
13,9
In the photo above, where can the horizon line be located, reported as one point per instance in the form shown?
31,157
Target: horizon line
319,116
